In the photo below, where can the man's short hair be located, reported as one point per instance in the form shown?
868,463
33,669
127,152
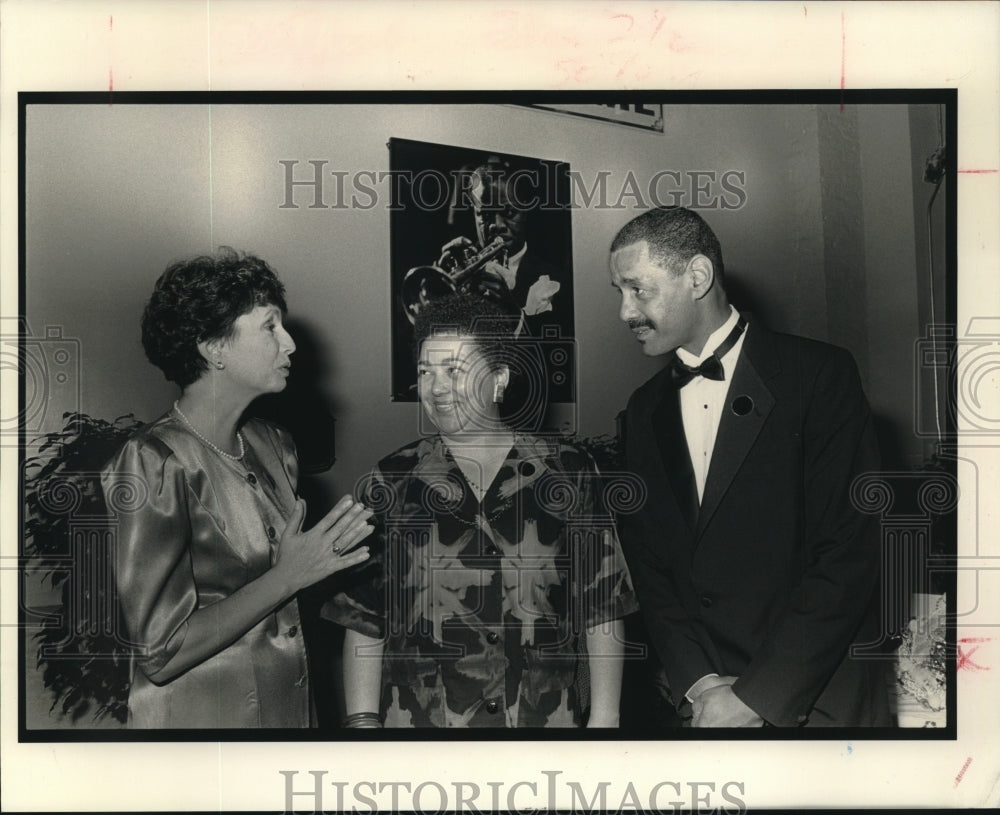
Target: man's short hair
674,235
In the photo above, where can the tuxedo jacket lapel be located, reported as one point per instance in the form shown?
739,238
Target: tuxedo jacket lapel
748,404
668,429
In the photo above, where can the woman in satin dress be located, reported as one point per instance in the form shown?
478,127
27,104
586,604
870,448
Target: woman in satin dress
210,546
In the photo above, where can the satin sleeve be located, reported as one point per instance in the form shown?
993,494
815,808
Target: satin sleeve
284,445
153,568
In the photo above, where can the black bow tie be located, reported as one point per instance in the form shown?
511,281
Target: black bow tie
711,368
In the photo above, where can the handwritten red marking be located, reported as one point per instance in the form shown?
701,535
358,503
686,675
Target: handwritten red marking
977,172
629,17
965,662
621,71
843,60
958,778
659,25
111,77
572,69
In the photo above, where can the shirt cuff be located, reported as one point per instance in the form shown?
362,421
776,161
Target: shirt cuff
702,685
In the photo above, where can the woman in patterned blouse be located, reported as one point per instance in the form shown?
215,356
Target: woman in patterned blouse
496,586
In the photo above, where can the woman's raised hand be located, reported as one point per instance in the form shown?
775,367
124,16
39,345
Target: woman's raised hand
304,558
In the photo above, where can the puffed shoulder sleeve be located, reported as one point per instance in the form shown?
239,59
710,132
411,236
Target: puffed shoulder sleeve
146,488
357,600
285,447
604,585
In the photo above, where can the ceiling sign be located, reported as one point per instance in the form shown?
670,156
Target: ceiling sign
641,114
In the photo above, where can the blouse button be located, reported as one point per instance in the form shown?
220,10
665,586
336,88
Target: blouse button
271,532
492,706
493,638
293,631
252,479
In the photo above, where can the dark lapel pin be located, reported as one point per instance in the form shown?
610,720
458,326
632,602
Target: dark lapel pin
742,405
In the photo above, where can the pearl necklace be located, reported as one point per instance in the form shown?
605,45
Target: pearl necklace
220,451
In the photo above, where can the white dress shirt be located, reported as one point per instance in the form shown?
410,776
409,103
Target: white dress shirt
513,262
703,400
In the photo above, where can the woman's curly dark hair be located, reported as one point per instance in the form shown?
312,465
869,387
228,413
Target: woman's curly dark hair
468,315
198,300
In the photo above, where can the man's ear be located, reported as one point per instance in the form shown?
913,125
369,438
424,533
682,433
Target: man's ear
702,276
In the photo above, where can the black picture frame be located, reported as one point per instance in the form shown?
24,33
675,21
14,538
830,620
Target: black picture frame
428,209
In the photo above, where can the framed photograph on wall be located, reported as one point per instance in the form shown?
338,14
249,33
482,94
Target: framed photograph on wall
472,219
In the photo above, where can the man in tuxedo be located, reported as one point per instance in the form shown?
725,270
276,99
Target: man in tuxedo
754,570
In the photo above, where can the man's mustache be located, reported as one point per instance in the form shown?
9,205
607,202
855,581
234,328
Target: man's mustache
634,324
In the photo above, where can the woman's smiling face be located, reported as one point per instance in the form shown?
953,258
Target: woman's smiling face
456,384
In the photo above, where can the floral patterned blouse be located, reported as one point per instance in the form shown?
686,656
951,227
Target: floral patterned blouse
483,606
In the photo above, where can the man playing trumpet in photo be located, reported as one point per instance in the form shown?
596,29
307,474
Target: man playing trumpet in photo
518,276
